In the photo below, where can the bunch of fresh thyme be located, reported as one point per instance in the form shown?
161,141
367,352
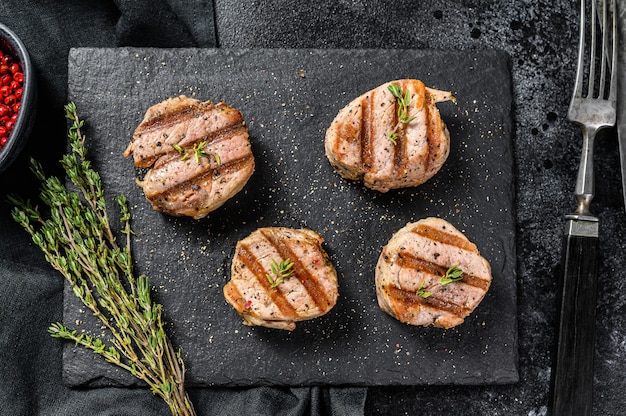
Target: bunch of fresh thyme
77,240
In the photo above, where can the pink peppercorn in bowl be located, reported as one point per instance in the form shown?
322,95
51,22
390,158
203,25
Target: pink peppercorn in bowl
18,93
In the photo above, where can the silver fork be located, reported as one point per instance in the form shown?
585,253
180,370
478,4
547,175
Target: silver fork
593,108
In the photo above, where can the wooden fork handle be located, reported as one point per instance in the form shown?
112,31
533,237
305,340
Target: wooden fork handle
572,374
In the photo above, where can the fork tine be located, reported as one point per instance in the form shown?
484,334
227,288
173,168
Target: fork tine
603,50
578,83
606,49
592,57
613,83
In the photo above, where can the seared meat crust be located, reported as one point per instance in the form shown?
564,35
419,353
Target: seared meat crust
358,147
413,262
198,153
311,290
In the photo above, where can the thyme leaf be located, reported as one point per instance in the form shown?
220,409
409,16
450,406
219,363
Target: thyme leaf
453,274
280,271
423,293
178,148
198,151
392,136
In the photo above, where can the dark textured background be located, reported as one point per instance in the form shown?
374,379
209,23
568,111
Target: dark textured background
540,37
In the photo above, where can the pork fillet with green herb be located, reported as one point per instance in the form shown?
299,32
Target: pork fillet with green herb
198,153
280,276
390,137
429,273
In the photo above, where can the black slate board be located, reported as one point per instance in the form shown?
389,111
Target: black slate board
288,98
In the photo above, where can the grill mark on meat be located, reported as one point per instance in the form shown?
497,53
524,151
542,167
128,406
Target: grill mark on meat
229,131
235,295
248,258
400,157
210,139
310,283
224,134
210,172
431,136
402,300
337,144
443,237
170,118
410,261
367,139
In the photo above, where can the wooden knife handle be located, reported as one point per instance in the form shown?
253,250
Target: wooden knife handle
572,374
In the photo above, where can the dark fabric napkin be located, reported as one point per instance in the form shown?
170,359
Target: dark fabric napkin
31,292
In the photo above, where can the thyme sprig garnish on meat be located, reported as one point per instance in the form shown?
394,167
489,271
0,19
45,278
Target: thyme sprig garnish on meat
403,101
76,237
423,293
280,271
198,152
453,274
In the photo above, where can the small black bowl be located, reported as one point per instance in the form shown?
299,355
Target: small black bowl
10,43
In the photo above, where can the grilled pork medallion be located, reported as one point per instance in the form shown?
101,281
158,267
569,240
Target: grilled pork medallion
198,153
390,137
280,276
431,274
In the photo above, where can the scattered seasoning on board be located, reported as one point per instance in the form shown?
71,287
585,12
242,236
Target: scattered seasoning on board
11,88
